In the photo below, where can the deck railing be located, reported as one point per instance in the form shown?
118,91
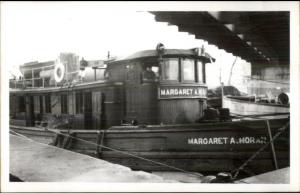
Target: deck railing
37,82
42,82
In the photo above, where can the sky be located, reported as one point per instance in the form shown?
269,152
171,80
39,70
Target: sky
39,31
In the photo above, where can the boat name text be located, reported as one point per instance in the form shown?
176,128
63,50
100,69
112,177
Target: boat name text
226,140
175,92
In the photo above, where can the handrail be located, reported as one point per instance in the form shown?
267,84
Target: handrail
37,68
23,82
32,82
33,79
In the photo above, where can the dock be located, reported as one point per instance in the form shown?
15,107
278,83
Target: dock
280,176
31,161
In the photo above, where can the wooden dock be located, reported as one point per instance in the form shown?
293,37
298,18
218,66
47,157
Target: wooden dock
31,161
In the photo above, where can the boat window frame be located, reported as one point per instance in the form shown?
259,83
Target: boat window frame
182,68
162,71
144,66
48,108
21,104
202,80
64,104
79,103
197,79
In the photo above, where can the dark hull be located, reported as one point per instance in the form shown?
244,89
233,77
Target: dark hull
206,147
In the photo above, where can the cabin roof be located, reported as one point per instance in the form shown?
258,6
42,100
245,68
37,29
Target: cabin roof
37,64
167,52
65,87
34,65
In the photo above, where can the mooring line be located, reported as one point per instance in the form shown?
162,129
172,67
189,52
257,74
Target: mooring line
280,131
130,154
122,152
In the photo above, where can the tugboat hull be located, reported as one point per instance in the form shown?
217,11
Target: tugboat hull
206,147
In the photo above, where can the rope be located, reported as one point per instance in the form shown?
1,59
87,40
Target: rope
127,153
280,131
119,151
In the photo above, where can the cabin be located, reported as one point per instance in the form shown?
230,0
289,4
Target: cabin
162,86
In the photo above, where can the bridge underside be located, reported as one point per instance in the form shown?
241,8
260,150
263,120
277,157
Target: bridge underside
261,38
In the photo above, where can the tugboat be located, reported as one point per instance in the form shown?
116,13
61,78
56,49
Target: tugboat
147,111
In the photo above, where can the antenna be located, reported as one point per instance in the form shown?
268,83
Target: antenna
230,75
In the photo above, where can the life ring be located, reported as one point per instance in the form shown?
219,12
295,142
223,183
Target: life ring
59,72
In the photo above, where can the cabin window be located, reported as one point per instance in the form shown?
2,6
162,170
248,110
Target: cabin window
170,69
48,104
132,74
155,69
79,103
41,104
150,73
22,106
200,71
64,104
188,69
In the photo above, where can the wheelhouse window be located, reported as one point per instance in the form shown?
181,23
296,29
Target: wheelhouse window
155,69
150,72
64,104
131,72
200,72
79,103
48,104
188,69
170,69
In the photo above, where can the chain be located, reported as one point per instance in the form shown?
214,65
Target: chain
119,151
280,131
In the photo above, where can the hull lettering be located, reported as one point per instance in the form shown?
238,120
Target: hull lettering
226,140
